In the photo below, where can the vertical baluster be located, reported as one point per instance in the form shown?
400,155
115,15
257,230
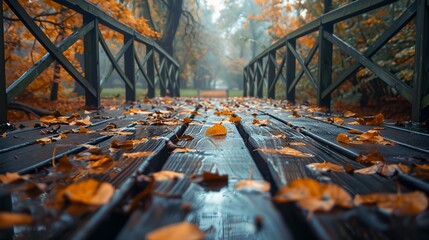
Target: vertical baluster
150,68
252,79
162,76
92,62
259,78
290,71
130,92
245,76
271,75
325,61
3,96
420,111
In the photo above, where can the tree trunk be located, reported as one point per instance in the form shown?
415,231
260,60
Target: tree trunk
175,11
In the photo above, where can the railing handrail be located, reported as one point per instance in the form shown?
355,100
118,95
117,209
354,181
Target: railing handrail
166,74
263,70
83,7
331,17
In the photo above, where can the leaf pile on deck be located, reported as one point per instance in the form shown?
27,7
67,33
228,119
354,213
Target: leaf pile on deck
315,196
370,136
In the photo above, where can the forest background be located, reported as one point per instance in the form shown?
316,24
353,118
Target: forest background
212,41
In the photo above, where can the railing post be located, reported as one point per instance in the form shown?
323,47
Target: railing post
245,76
325,61
129,69
271,75
92,62
3,96
290,71
420,104
177,81
259,78
150,69
162,76
170,77
252,80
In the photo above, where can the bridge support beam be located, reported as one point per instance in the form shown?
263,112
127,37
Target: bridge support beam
130,92
420,104
92,62
3,96
290,71
271,75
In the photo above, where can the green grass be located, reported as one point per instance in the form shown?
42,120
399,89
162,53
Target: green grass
120,93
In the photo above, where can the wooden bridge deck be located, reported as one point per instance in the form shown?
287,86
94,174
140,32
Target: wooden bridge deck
213,203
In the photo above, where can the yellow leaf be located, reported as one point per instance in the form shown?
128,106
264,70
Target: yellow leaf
234,118
186,120
216,130
286,151
354,131
183,150
348,114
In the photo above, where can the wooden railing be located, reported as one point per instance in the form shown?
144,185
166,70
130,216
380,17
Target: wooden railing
263,71
157,67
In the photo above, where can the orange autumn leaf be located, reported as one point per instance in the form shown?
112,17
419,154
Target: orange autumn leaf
314,196
286,151
176,231
395,203
216,130
325,167
89,191
166,175
10,219
372,120
372,157
234,118
348,114
343,138
253,186
186,120
354,131
9,177
137,154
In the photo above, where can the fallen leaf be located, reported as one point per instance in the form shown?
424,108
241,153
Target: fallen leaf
216,130
126,145
372,157
166,175
43,141
176,231
104,162
9,177
9,219
395,203
279,136
286,151
348,114
210,179
186,120
137,154
183,150
314,196
296,143
85,130
185,138
92,148
64,164
234,118
325,167
343,138
354,131
88,191
387,170
372,120
4,135
82,122
253,186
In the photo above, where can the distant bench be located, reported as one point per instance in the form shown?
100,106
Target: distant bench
213,93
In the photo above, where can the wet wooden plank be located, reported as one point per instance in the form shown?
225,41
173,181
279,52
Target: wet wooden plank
218,212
